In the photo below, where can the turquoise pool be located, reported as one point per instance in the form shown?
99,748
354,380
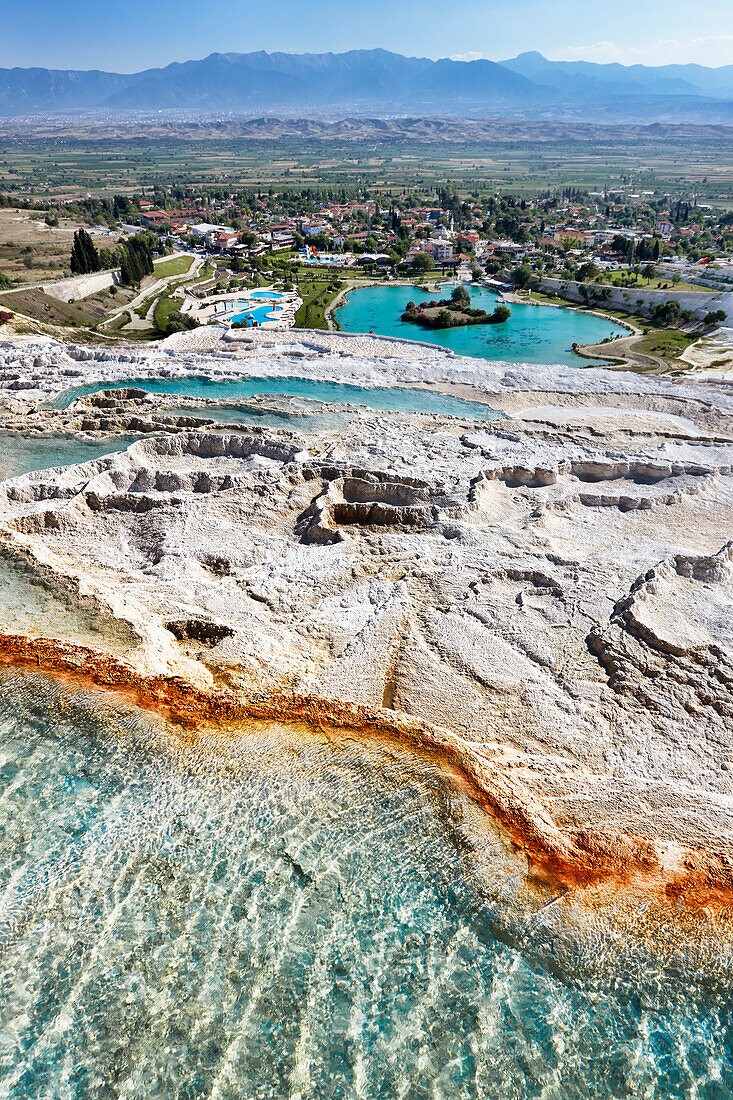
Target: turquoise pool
381,398
22,454
295,921
533,334
257,313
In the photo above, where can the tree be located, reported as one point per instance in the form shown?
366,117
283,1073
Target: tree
84,256
649,272
587,271
460,296
423,262
137,261
666,312
178,322
522,276
716,317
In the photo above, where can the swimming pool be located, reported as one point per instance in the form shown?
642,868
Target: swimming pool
258,313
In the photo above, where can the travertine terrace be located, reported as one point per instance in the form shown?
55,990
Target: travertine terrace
544,599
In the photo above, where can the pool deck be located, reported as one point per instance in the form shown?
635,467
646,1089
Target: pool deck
223,308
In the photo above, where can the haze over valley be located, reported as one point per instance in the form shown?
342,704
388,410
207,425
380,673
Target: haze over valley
527,86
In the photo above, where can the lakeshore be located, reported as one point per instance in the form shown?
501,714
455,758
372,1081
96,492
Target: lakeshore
529,335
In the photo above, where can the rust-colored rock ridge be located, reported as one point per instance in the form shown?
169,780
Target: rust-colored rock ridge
564,859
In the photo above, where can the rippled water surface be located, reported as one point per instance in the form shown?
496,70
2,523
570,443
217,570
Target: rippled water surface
298,923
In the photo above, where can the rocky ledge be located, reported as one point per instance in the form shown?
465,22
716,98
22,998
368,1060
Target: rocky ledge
542,601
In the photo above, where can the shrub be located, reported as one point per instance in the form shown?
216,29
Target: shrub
501,314
178,322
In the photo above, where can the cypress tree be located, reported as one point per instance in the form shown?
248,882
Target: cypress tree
137,261
84,256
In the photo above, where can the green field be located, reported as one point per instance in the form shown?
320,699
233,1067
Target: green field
163,310
666,343
317,295
176,265
104,160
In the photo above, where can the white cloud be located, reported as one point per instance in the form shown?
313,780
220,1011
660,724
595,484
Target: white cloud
467,56
713,40
714,49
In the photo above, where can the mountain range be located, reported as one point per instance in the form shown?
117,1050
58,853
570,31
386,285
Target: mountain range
527,86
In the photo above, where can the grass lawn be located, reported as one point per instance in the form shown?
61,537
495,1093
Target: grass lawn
666,343
142,309
316,297
163,310
176,265
204,274
660,283
119,322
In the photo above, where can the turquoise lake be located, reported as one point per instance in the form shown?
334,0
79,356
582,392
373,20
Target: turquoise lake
293,919
533,334
380,398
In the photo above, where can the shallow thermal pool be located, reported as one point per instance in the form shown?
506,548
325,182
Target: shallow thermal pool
22,454
381,398
294,918
36,605
296,418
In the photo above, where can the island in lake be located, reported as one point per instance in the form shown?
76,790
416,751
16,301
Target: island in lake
453,312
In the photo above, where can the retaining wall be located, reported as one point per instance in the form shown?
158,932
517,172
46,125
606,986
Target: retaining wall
626,299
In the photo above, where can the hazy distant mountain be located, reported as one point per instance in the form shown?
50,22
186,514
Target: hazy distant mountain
589,78
369,78
528,86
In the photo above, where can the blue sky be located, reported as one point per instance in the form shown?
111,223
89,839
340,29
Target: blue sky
135,34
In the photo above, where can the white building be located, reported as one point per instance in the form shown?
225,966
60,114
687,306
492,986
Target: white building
204,229
442,250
